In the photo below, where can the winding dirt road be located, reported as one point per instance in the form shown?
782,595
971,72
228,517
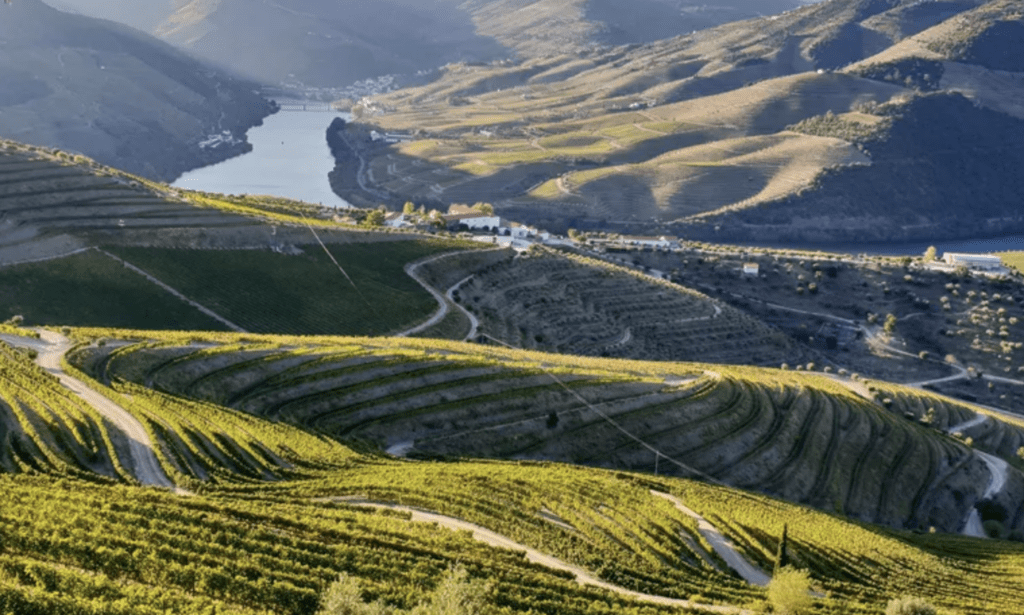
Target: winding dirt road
494,539
999,469
411,269
444,302
143,463
722,545
474,322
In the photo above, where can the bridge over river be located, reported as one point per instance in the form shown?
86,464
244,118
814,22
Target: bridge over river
321,107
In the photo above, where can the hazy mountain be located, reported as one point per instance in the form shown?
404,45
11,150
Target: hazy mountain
327,43
116,94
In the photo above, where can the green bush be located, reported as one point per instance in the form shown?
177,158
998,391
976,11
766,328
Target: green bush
909,606
789,592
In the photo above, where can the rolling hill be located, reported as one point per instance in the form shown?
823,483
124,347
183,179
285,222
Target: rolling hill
833,121
804,438
85,244
265,515
116,94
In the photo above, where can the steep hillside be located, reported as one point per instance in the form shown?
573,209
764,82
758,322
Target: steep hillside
273,514
941,166
805,438
321,43
84,244
724,130
116,94
579,306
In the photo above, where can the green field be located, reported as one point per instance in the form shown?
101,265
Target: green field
268,292
91,289
1013,259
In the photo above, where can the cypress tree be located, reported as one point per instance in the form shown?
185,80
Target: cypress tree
781,558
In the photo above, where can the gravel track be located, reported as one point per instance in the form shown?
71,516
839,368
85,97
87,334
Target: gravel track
143,464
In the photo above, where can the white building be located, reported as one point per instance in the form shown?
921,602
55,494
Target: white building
476,222
396,219
983,262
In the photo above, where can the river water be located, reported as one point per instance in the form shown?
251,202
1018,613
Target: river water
290,158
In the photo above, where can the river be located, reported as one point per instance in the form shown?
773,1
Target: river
290,158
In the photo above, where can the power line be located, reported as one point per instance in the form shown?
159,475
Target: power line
657,453
333,260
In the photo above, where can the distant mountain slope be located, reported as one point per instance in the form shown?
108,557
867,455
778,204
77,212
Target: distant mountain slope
752,130
326,43
116,94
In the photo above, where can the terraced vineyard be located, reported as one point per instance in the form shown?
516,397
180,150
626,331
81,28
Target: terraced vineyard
580,306
801,437
269,535
44,194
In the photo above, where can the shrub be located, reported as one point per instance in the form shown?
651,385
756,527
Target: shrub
909,606
789,592
343,597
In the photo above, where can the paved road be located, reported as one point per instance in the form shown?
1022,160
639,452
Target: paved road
583,577
144,465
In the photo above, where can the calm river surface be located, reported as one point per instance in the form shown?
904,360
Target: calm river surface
290,158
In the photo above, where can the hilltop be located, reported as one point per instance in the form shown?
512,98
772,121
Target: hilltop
873,120
117,95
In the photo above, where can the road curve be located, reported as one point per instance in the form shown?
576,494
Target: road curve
51,348
474,322
411,269
583,577
443,303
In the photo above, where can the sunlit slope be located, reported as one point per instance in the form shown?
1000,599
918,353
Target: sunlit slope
803,438
272,542
973,55
46,428
270,536
668,162
696,129
929,156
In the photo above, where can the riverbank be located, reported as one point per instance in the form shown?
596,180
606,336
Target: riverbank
288,157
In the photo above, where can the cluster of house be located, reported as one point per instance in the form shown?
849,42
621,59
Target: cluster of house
499,230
